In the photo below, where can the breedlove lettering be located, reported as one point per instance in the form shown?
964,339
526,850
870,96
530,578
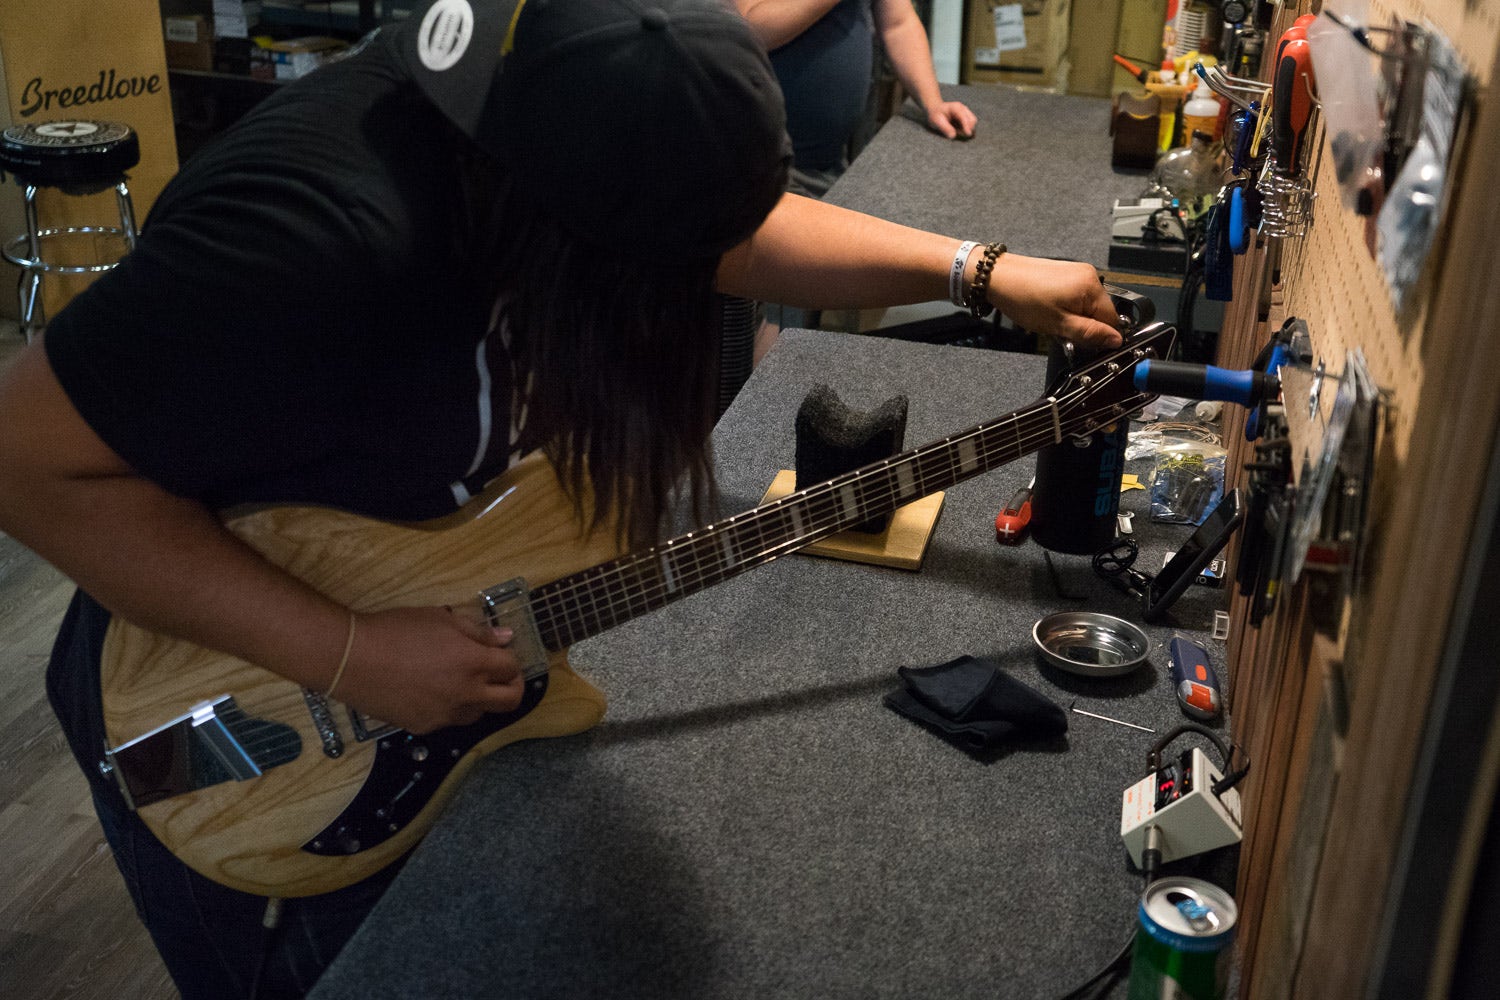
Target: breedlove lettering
36,96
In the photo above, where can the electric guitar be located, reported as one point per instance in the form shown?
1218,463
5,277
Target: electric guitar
266,787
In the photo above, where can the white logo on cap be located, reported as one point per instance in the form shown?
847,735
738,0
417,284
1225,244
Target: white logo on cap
445,34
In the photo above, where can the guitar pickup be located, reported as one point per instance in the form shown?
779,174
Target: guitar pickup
205,746
508,605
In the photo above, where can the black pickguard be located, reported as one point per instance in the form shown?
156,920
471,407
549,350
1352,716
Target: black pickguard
407,772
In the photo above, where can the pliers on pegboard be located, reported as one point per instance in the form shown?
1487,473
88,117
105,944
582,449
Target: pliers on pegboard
1269,497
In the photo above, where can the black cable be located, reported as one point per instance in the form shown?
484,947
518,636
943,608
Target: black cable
269,923
1226,755
1150,864
1113,564
1106,973
1153,759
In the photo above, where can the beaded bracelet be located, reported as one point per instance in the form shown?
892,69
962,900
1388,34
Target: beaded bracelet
977,297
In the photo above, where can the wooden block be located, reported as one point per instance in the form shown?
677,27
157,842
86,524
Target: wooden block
901,546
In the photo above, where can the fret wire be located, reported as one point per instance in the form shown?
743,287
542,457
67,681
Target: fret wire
694,578
820,504
592,609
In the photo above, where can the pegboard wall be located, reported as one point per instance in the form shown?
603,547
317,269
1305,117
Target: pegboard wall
1330,278
1336,737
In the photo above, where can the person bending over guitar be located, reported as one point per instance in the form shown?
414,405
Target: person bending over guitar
486,232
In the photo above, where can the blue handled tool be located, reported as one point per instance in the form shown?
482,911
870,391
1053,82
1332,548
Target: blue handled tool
1177,378
1193,680
1239,225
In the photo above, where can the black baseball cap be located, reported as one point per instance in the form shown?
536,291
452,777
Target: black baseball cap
651,126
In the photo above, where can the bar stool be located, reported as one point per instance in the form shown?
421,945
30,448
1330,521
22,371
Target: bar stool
77,158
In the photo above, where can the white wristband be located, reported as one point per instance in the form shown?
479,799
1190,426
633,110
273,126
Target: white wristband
956,272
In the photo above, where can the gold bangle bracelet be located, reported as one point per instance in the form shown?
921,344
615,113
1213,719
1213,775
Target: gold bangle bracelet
343,660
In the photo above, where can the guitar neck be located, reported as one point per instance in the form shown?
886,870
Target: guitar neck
585,604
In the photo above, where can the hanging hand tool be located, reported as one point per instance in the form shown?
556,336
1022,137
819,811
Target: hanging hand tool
1176,378
1291,104
1296,33
1244,215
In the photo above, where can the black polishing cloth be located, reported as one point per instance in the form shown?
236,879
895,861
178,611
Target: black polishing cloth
974,705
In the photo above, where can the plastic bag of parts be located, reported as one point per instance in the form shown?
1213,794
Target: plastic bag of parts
1349,85
1187,482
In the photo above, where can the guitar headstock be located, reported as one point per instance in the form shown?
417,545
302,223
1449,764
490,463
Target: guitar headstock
1102,391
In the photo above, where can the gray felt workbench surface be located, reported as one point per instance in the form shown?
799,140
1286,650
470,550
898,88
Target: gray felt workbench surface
750,820
1036,175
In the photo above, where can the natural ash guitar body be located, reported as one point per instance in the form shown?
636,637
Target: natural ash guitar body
250,835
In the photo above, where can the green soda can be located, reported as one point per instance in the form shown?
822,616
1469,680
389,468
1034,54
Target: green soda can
1182,946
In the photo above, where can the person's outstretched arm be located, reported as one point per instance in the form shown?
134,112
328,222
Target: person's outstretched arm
812,254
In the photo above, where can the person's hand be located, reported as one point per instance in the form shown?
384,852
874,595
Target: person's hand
952,120
1057,297
425,668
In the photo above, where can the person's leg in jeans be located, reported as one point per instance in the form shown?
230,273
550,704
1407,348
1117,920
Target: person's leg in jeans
211,937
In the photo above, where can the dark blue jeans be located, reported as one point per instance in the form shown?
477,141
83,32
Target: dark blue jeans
210,936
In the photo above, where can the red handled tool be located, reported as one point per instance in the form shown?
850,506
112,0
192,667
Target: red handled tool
1295,33
1131,68
1291,103
1010,524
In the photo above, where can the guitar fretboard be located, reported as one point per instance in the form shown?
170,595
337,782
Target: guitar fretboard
585,604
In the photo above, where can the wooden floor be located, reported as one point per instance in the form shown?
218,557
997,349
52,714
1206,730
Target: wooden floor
67,928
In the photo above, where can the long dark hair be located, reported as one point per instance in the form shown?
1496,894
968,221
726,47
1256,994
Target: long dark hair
616,359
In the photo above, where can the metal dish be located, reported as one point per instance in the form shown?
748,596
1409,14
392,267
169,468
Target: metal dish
1089,644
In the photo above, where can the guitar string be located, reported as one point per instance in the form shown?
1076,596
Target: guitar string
776,522
577,615
566,603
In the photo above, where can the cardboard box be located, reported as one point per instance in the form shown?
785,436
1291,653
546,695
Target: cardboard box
1009,45
190,28
1091,48
294,57
189,42
234,19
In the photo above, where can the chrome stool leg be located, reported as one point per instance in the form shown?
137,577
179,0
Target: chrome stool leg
127,214
30,288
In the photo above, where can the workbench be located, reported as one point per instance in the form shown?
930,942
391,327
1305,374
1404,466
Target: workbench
1035,176
750,820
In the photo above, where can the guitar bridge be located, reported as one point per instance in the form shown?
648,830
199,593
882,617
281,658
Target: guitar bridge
508,605
212,743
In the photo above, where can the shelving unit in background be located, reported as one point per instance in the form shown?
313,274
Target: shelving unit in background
206,101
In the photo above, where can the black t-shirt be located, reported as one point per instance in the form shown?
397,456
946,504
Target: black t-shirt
295,325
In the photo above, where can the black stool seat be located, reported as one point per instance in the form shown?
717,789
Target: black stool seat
79,157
